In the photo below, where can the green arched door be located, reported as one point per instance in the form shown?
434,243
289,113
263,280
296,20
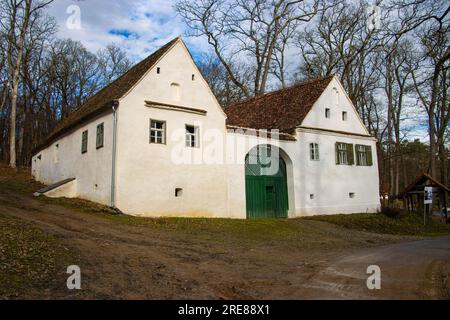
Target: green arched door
265,187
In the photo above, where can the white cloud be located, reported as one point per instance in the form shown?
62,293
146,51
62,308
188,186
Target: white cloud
150,24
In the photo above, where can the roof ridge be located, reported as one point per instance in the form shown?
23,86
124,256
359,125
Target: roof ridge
294,86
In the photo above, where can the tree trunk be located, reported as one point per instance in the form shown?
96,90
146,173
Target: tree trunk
12,129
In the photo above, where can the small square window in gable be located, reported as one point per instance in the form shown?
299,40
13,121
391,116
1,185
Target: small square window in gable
344,116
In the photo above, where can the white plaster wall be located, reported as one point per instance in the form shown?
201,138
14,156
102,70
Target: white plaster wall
92,170
331,183
147,174
337,103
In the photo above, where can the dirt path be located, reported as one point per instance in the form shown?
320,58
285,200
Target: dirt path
126,261
410,270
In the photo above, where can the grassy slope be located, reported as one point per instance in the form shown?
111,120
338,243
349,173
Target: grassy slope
29,260
407,224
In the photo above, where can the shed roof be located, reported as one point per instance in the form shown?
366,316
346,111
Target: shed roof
421,182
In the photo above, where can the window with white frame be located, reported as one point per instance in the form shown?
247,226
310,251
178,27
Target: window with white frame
192,139
157,131
362,155
314,151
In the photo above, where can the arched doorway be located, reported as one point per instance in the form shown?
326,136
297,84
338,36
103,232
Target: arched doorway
266,183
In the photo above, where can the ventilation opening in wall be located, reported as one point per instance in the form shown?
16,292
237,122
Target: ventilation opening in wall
193,77
344,116
351,195
158,70
327,112
178,192
311,196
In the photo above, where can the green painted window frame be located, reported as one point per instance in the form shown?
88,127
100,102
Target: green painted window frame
363,152
100,135
84,141
157,135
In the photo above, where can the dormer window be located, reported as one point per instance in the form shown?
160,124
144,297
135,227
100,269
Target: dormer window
327,113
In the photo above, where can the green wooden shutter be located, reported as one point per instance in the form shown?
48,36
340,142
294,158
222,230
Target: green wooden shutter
84,141
99,140
350,154
337,152
369,155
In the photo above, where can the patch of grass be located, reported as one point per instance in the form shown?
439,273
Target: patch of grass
405,224
31,261
260,229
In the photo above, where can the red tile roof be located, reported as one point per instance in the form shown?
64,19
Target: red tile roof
283,109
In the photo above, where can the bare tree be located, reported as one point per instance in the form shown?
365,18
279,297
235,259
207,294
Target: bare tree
75,73
113,62
16,21
342,44
429,73
219,80
244,29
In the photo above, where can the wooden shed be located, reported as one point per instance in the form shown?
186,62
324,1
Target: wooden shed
413,195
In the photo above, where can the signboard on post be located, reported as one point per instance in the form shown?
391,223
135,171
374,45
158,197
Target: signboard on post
428,195
427,199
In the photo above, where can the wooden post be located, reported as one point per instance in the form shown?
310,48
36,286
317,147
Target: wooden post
424,213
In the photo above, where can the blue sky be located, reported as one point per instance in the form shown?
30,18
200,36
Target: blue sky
138,26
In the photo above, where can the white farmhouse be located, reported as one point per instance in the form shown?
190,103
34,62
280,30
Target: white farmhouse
156,142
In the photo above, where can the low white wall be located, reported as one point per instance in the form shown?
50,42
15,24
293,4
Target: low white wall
67,190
